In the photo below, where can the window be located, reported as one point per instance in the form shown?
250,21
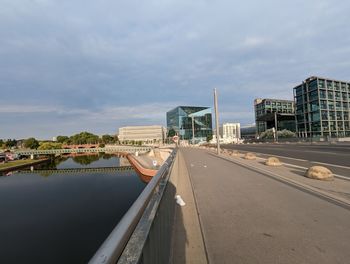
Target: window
338,106
337,95
323,104
343,87
329,85
339,116
315,116
321,84
324,115
331,105
330,95
336,86
323,94
314,106
313,95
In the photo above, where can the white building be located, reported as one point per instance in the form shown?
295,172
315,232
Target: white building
146,134
231,132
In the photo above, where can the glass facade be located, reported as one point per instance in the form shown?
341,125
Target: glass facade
264,114
322,108
180,120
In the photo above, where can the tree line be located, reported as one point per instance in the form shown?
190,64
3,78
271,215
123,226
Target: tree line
77,139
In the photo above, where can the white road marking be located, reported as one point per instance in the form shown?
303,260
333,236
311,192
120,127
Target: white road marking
333,165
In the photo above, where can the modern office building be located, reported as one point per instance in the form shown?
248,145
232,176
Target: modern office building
322,108
186,119
248,132
230,132
268,110
146,134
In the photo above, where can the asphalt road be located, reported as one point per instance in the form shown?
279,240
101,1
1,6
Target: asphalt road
247,217
337,157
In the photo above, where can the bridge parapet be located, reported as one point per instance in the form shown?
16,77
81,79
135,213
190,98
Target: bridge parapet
147,226
124,149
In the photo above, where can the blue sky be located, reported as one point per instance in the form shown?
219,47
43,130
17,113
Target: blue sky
71,66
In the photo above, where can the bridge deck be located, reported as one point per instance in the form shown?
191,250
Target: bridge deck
247,217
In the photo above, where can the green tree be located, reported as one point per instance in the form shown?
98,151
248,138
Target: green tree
50,145
107,139
31,143
2,143
171,132
286,134
84,138
209,137
62,139
11,143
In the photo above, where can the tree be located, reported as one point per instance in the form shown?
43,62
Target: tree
62,139
50,145
107,139
1,143
209,137
286,134
31,143
267,134
84,138
11,143
171,132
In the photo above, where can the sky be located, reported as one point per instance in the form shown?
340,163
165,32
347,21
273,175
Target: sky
71,66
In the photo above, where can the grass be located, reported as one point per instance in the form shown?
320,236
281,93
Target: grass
15,163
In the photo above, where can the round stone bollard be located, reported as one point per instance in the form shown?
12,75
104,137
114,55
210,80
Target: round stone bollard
250,156
319,173
234,153
273,161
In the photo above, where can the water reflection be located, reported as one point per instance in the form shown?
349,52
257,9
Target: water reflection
63,217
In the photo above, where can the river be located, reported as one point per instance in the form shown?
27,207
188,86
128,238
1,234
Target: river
55,215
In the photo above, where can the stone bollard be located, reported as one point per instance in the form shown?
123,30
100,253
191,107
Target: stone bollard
234,153
319,173
273,161
250,156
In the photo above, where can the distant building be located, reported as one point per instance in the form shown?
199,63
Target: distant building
265,110
146,134
230,132
322,108
183,119
248,132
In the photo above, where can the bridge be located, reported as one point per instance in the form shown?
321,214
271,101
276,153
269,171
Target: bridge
111,149
233,210
79,170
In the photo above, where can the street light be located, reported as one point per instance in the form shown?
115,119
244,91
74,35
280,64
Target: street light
192,130
276,126
217,121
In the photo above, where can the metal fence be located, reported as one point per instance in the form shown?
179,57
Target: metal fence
144,233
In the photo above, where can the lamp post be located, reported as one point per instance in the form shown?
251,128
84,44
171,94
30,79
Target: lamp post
217,121
192,130
276,126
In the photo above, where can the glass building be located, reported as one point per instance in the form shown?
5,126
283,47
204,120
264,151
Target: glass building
322,108
180,120
265,110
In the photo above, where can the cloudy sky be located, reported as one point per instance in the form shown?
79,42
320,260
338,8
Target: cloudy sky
69,66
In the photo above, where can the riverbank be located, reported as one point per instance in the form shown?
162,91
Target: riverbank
18,164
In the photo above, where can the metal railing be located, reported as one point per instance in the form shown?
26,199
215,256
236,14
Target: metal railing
82,150
136,223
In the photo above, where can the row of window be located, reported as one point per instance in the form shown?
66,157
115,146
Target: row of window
326,126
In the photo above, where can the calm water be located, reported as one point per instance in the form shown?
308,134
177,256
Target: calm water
59,217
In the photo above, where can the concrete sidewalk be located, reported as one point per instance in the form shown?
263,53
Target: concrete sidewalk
246,217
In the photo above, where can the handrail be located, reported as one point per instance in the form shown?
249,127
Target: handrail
113,246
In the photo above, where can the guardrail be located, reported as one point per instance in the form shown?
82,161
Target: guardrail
127,243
